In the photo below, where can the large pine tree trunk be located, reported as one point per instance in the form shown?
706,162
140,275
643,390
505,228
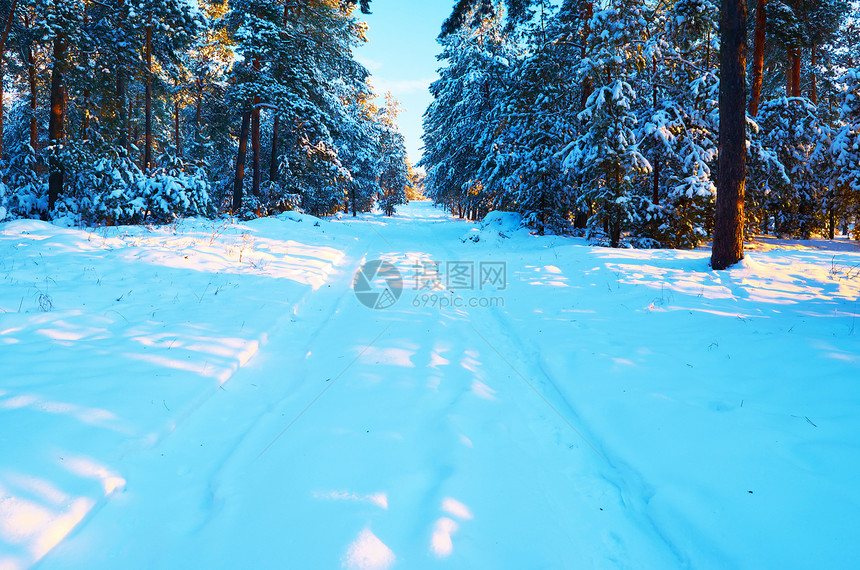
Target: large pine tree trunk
2,105
2,58
614,220
586,11
147,143
56,124
795,61
240,162
758,55
255,151
34,99
273,162
255,135
134,133
795,73
813,92
728,246
122,108
85,122
177,139
198,111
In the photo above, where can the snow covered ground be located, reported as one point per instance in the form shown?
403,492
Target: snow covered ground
208,395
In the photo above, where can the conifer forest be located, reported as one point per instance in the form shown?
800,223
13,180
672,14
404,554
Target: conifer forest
420,284
598,118
126,112
605,117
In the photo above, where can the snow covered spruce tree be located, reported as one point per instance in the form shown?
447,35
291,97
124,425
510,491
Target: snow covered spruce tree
536,119
606,155
459,123
792,132
393,177
677,109
846,149
363,159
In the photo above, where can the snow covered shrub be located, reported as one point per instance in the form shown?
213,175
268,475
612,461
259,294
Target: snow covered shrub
167,196
111,182
67,212
790,128
392,184
122,194
4,194
321,201
278,200
764,172
173,190
388,201
318,176
25,194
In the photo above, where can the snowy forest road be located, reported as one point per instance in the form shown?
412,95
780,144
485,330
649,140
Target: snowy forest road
363,437
214,394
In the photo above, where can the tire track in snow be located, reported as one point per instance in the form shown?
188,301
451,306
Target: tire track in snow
633,491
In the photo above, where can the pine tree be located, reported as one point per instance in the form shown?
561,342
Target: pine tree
537,120
846,150
606,154
393,175
677,109
456,139
728,244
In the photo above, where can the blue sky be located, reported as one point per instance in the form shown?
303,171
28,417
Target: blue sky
401,55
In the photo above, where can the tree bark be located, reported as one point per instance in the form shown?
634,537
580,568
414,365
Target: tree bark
121,93
728,245
122,107
34,100
655,198
587,11
273,162
758,55
813,94
255,151
85,122
2,106
133,133
255,135
199,110
56,124
2,61
240,161
615,217
147,143
176,134
795,73
795,60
